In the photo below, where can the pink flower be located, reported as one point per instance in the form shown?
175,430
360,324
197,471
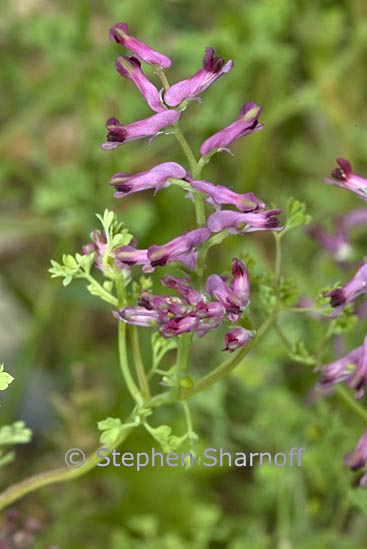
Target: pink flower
218,195
118,134
240,223
213,68
236,338
129,67
156,178
246,123
344,177
120,33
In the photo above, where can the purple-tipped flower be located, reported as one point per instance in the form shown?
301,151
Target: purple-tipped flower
246,123
358,457
350,369
120,33
130,68
181,248
344,177
128,255
218,195
240,284
239,223
155,178
138,316
213,68
233,304
118,133
182,286
350,291
236,338
178,326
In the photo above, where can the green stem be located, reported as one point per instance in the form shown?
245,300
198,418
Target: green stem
187,416
184,347
350,401
63,474
139,365
227,366
130,383
278,261
124,364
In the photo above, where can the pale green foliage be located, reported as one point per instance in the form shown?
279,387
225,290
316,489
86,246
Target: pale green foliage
5,378
78,266
296,214
17,433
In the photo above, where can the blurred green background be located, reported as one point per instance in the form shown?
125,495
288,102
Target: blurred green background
304,62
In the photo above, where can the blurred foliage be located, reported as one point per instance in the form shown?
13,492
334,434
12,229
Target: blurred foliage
303,61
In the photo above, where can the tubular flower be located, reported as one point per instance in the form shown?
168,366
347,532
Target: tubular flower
235,296
236,338
213,68
357,459
182,286
240,284
240,223
350,369
350,291
181,248
138,316
129,67
246,123
118,133
120,33
218,195
155,178
344,177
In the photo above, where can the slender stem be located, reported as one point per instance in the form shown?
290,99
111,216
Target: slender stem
130,383
227,366
63,474
188,417
124,365
278,261
349,400
184,346
139,365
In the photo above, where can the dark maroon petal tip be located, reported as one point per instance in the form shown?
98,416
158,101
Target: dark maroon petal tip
211,63
337,297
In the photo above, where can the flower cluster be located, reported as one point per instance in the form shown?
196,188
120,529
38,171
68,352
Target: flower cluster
195,310
351,368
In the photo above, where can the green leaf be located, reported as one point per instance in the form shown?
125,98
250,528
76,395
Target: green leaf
17,433
296,214
112,428
5,378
